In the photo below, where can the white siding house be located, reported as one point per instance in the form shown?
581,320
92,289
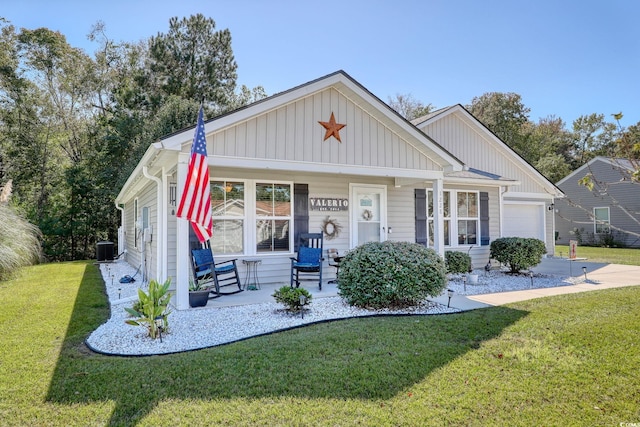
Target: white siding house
386,178
524,210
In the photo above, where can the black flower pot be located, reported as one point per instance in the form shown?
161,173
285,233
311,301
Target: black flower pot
198,298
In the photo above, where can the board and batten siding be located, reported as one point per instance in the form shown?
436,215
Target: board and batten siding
569,216
479,151
292,133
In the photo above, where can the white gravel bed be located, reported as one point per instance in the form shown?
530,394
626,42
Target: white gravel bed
205,327
499,281
210,326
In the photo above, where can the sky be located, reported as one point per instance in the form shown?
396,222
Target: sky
565,58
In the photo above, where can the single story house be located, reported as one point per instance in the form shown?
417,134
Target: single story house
608,214
330,156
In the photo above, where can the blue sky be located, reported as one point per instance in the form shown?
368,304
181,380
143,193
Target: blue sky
564,57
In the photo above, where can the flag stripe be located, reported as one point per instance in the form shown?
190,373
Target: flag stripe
195,202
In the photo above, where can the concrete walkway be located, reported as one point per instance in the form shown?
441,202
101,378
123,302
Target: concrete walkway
599,276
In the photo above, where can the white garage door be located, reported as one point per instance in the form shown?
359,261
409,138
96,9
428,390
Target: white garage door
522,220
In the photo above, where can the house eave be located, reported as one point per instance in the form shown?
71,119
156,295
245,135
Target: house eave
135,178
335,169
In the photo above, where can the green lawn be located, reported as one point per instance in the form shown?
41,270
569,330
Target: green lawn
567,360
608,255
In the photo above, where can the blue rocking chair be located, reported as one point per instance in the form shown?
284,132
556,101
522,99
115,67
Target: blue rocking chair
222,274
308,263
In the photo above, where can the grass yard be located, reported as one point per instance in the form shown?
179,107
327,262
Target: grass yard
567,360
598,254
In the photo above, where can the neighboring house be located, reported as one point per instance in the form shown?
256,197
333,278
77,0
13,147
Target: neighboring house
276,171
607,215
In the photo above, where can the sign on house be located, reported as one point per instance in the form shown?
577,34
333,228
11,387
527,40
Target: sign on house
328,204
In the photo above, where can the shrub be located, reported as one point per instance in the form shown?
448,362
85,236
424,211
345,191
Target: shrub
152,306
19,242
518,253
290,297
390,274
457,262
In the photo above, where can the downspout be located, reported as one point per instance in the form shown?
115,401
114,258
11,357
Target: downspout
159,232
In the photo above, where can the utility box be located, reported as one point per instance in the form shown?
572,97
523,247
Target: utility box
104,251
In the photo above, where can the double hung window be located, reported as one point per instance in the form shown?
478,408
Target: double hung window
462,221
273,217
601,221
468,218
251,217
228,208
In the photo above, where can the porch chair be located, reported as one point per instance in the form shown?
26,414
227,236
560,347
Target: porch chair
334,261
222,274
308,263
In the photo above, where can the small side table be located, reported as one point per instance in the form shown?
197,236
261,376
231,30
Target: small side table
252,273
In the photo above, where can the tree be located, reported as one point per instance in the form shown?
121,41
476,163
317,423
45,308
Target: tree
594,136
507,117
554,147
72,127
408,107
193,61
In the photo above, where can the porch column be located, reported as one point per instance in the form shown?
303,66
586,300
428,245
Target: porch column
438,217
182,241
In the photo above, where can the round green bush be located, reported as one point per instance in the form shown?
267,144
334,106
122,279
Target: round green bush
390,274
518,253
290,297
457,262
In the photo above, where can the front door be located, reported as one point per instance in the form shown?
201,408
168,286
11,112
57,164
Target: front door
368,214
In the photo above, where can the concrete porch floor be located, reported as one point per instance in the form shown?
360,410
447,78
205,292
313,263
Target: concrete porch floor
264,294
599,276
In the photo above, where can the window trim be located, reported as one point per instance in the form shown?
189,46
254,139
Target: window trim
251,218
453,218
430,219
596,222
468,218
272,217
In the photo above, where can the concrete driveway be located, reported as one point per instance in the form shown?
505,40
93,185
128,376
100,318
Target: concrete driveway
598,276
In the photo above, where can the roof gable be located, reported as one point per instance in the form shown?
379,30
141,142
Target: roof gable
291,118
479,148
622,164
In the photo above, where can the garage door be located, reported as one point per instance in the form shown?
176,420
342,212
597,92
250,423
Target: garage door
522,220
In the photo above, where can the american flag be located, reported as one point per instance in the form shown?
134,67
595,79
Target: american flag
195,203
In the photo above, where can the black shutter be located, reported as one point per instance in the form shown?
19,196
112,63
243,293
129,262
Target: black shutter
300,211
421,215
484,218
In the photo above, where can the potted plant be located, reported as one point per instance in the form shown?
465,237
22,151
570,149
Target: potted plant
198,294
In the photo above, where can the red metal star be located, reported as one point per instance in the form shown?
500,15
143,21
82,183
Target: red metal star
333,128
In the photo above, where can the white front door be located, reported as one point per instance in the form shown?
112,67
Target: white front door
368,214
